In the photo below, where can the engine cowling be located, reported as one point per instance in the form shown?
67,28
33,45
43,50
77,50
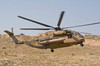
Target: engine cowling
59,33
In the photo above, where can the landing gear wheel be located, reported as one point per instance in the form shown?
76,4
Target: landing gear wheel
52,50
82,45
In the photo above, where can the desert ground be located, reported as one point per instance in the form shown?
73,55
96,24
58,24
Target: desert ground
12,54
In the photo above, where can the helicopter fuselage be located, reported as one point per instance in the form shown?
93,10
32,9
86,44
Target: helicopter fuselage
57,39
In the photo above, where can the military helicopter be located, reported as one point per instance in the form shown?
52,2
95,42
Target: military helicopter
57,38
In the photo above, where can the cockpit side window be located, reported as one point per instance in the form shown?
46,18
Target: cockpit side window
75,33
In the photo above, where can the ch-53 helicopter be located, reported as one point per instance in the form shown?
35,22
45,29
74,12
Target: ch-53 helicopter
57,38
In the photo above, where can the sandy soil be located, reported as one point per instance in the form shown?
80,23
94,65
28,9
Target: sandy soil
23,55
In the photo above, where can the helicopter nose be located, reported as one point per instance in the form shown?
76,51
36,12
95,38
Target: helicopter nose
82,40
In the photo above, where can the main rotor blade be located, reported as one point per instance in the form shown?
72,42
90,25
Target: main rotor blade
35,28
60,19
83,25
35,22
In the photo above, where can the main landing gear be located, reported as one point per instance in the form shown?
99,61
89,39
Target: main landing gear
81,44
52,50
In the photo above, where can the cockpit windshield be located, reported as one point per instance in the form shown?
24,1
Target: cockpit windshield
80,35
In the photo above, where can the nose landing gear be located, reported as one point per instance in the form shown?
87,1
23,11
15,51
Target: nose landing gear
52,50
81,45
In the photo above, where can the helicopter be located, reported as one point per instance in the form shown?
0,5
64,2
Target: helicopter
57,38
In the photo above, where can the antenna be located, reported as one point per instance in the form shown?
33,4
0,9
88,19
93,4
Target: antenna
12,30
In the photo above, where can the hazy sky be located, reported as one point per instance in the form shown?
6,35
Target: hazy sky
48,11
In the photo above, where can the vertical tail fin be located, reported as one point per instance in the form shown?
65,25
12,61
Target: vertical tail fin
12,36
